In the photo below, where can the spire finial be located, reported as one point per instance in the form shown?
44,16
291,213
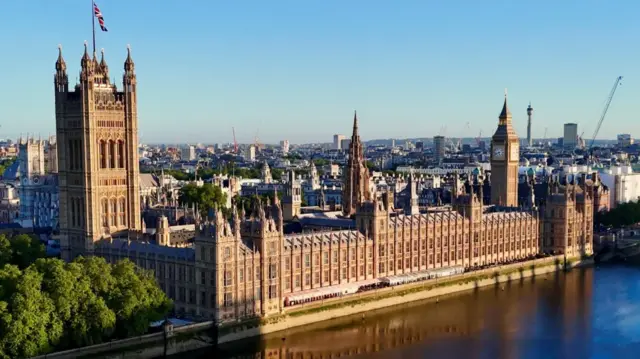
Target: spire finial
505,93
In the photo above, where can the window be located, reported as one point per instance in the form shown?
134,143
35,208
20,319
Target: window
381,267
227,278
273,271
334,256
307,260
241,275
227,253
344,273
103,154
296,283
297,262
228,299
316,278
112,213
307,279
120,154
121,212
287,264
273,293
325,258
258,273
112,154
203,277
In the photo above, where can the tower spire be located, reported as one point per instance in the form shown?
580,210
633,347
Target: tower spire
61,65
355,123
505,113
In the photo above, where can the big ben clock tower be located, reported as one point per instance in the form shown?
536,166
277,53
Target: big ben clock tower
505,158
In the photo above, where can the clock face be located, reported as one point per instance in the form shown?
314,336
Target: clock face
498,152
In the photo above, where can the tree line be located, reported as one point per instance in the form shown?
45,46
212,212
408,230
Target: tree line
624,214
49,305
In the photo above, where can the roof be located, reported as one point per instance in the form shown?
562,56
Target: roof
148,180
149,248
324,238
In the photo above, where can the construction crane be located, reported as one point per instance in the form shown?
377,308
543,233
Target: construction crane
235,143
606,108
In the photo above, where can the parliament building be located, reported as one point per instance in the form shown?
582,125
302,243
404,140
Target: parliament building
246,266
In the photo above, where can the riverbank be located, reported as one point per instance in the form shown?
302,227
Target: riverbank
316,314
326,310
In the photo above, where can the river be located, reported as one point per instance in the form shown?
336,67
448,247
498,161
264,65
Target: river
586,313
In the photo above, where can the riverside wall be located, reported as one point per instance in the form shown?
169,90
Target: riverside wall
315,312
199,335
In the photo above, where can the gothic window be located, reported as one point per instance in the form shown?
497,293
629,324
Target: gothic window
73,212
120,154
112,212
103,154
121,212
105,212
112,154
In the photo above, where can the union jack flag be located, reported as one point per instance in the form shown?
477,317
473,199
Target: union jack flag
98,13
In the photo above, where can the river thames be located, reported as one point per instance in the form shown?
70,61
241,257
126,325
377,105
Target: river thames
587,313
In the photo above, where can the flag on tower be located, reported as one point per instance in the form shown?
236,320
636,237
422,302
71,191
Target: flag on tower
98,14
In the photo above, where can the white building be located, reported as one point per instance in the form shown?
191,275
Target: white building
625,140
284,146
250,153
337,142
623,183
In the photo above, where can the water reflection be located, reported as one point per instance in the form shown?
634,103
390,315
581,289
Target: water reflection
590,313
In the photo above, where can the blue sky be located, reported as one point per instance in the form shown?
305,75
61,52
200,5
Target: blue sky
297,69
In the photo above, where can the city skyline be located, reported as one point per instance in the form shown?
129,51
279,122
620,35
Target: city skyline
297,73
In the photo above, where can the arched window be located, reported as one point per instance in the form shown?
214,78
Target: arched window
73,211
105,212
122,212
120,154
112,212
112,154
103,154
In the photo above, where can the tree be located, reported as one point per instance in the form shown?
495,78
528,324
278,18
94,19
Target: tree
624,214
205,197
20,250
53,305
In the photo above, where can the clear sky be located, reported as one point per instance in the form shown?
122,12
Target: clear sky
297,69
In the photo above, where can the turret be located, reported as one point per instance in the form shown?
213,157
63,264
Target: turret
61,80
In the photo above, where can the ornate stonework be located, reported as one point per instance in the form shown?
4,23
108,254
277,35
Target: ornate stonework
356,184
505,159
96,130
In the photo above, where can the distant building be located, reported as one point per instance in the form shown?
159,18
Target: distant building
250,153
570,139
623,184
337,142
625,140
345,143
284,146
438,148
419,146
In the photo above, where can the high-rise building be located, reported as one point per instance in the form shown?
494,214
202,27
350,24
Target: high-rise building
529,117
505,158
570,139
97,136
188,153
284,146
345,143
438,149
356,185
337,142
625,140
250,153
419,146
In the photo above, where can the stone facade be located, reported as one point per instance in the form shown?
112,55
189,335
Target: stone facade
505,158
96,133
356,181
246,266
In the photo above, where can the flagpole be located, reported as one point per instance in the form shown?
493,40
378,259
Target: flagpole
93,26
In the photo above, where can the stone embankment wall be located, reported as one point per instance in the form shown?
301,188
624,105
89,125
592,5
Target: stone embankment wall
181,339
310,313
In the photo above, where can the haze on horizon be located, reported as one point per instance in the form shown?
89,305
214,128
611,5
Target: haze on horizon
287,70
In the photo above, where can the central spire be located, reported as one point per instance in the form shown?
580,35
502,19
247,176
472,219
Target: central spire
355,123
505,114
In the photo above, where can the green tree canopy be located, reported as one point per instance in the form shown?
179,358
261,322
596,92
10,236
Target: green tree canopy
624,214
20,250
205,197
52,305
